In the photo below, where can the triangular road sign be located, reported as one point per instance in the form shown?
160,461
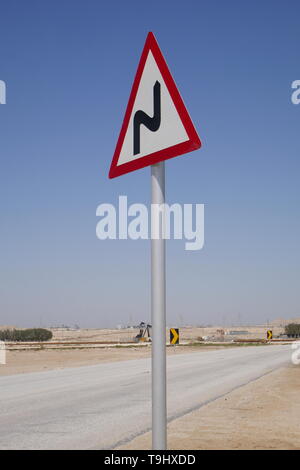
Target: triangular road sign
156,125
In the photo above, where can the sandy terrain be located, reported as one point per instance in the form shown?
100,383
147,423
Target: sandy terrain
18,362
264,414
186,333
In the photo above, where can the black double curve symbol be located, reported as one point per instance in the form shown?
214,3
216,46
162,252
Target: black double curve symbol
152,123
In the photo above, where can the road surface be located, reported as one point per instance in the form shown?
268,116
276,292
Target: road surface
105,405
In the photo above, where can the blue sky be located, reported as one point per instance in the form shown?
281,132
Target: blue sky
68,66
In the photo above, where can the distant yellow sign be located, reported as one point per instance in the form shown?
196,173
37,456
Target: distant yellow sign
269,335
174,336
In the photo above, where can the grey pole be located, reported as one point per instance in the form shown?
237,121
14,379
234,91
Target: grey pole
158,312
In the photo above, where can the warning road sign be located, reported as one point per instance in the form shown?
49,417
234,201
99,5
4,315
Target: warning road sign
156,125
269,335
174,336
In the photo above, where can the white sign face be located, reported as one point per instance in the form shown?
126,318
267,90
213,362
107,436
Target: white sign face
170,131
156,125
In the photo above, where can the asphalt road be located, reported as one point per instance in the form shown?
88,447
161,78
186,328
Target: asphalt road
104,405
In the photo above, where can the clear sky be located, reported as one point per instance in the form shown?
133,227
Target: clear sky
68,66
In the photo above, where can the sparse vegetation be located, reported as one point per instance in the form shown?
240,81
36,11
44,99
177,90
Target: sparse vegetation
292,329
30,334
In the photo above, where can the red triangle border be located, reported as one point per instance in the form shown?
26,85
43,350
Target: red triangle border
193,143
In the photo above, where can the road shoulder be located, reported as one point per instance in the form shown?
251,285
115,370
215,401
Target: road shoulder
263,414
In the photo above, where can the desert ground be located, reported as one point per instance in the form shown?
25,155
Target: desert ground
263,414
33,358
22,361
187,333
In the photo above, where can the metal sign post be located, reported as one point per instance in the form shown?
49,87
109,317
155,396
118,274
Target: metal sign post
158,312
156,127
